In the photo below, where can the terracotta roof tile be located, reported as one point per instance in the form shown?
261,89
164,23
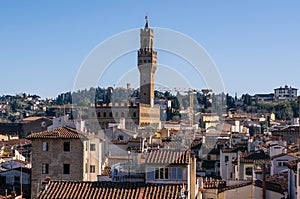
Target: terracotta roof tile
230,150
292,164
79,189
282,154
31,118
168,156
250,157
20,142
58,133
277,183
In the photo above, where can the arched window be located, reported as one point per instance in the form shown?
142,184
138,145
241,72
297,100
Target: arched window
134,114
104,114
110,114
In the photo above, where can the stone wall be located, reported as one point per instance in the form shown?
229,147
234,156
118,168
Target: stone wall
56,157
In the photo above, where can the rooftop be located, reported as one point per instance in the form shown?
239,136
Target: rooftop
168,156
31,119
58,133
79,189
251,157
292,164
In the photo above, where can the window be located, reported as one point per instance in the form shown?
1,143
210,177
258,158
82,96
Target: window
45,168
110,114
66,169
2,179
226,158
104,114
99,115
92,169
45,146
17,179
280,163
67,146
249,171
208,157
156,173
176,173
162,173
150,171
92,147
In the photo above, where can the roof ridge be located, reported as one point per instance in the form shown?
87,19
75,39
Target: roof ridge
60,132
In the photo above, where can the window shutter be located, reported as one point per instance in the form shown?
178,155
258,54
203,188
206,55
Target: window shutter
179,173
150,173
173,173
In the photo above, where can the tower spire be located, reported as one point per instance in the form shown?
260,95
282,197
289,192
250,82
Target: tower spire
147,24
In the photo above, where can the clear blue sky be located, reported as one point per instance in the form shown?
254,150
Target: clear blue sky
255,44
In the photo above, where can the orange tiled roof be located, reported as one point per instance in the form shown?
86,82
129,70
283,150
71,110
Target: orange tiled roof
229,150
282,154
58,133
174,144
168,156
251,157
20,142
31,119
292,164
79,189
277,183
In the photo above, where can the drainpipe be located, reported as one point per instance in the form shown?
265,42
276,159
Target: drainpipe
264,181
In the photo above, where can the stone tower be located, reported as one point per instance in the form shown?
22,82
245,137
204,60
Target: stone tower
147,65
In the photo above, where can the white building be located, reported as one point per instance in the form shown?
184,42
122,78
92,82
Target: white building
278,162
226,166
285,94
293,178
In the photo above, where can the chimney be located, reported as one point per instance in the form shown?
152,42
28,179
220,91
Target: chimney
193,177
